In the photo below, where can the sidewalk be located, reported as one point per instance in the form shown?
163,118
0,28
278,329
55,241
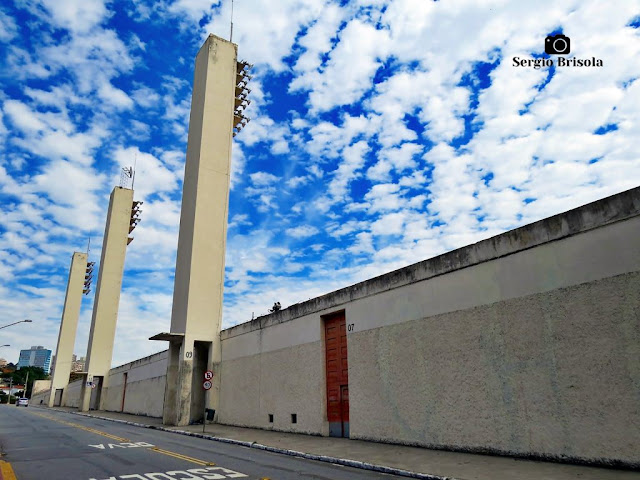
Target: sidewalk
449,465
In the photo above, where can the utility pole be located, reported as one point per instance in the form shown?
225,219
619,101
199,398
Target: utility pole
10,388
25,385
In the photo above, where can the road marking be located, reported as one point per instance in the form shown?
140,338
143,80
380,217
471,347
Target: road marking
6,471
101,446
152,476
183,457
208,473
81,427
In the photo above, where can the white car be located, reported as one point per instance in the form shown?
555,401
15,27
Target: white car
22,401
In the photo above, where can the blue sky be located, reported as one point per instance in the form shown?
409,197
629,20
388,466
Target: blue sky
382,133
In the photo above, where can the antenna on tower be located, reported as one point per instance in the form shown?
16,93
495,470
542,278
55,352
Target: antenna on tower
133,176
125,175
231,34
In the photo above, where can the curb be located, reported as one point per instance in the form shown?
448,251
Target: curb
292,453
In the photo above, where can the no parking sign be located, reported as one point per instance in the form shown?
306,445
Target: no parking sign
208,375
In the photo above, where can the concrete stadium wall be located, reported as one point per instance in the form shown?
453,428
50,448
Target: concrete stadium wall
146,380
40,391
144,392
281,380
526,344
70,396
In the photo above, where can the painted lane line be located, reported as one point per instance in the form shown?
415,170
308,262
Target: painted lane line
6,471
81,427
183,457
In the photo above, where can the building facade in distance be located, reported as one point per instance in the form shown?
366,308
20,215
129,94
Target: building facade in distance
77,364
36,356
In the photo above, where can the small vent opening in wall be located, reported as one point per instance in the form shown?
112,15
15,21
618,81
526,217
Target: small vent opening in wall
271,418
294,418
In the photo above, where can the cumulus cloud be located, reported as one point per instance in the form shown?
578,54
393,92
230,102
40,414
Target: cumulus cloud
381,133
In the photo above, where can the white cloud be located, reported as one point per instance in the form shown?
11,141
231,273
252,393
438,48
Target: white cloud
263,178
374,176
8,27
195,9
114,96
351,66
23,117
80,16
152,175
302,231
352,161
265,30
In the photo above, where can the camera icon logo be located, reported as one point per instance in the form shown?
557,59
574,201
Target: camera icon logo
557,45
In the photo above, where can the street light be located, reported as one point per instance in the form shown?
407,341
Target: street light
21,321
4,346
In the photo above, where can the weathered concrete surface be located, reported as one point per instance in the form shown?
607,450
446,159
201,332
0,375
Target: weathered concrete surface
40,386
107,298
70,395
524,344
281,383
144,388
553,375
68,324
199,279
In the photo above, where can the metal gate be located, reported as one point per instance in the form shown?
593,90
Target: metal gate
96,391
57,399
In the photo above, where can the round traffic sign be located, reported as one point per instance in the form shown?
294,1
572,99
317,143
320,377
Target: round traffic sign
207,385
208,375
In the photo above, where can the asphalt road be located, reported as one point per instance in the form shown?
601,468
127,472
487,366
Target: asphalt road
50,445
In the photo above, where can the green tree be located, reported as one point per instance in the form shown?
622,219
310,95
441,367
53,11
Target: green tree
20,376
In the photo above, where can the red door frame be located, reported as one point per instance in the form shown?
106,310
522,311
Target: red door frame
337,374
124,390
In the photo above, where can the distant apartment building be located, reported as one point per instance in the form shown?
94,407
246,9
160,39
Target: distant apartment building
36,356
77,364
3,362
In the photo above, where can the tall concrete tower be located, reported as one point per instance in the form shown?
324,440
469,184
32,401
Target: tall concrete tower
68,327
120,221
219,95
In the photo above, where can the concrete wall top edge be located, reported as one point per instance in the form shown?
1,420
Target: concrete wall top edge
215,38
148,359
618,207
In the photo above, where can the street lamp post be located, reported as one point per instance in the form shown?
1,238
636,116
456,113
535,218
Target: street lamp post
26,320
7,345
21,321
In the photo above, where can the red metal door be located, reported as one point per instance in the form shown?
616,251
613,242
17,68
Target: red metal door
344,407
337,375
